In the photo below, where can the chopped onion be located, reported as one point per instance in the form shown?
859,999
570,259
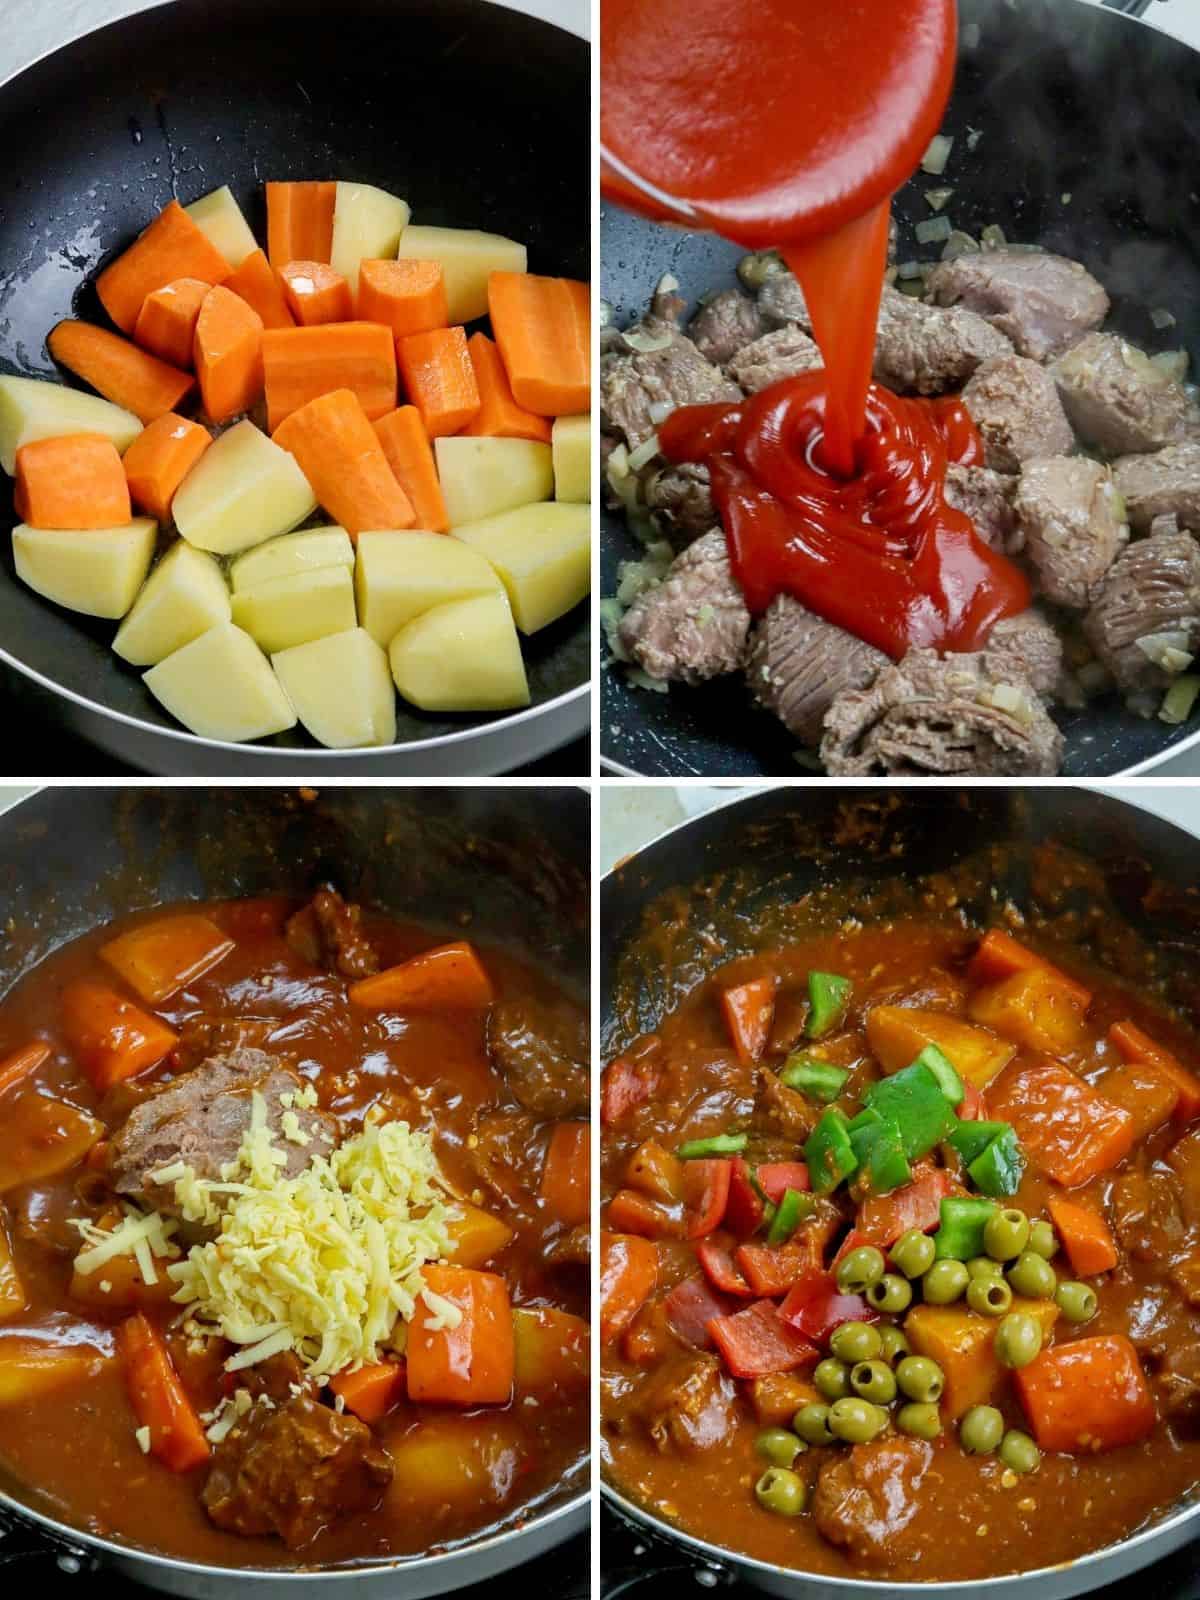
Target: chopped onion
646,344
993,237
960,244
667,284
644,454
1168,650
1162,318
1179,699
606,313
972,34
907,270
659,411
937,199
914,288
1067,198
1173,364
974,135
938,154
640,679
754,270
934,230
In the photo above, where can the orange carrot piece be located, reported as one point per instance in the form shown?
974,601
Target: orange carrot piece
158,1397
166,324
1087,1395
160,458
338,452
113,1038
472,1364
449,977
301,364
999,956
76,481
118,370
406,296
171,247
543,328
628,1273
372,1391
749,1009
406,446
439,378
229,363
500,417
15,1068
300,222
566,1176
1086,1237
315,293
1135,1045
160,957
256,282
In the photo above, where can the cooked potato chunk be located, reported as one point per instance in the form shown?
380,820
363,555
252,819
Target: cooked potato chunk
542,554
483,476
399,575
182,598
221,687
33,408
97,570
220,219
446,1465
33,1368
462,656
466,256
244,489
341,688
571,442
288,611
367,225
292,554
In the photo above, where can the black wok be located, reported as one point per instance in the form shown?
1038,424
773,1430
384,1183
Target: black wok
1070,100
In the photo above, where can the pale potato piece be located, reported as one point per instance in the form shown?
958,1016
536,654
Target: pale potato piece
183,597
243,490
97,570
571,444
220,219
483,476
463,656
34,408
221,687
543,554
286,611
367,225
291,554
466,256
341,688
399,575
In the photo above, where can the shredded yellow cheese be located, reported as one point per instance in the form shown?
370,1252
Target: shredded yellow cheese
142,1435
143,1237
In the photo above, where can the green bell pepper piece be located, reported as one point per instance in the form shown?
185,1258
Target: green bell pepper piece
829,1154
721,1144
879,1150
815,1079
828,997
913,1098
971,1139
789,1214
942,1068
960,1237
998,1170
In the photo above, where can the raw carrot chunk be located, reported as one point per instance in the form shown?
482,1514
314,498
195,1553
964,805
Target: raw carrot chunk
749,1009
160,458
300,222
257,284
543,328
228,347
372,1391
450,976
1088,1395
15,1068
628,1273
171,247
470,1364
406,296
301,364
162,956
999,955
158,1397
406,446
166,324
76,481
338,452
315,293
439,379
118,370
1069,1130
499,414
756,1341
1085,1235
566,1177
1035,1007
1135,1045
113,1038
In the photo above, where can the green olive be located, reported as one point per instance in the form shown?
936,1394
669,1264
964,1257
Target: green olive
1076,1301
856,1420
1043,1240
781,1491
991,1297
894,1343
913,1253
855,1341
832,1378
1018,1339
1006,1234
857,1271
920,1420
1032,1275
945,1282
985,1267
811,1422
778,1446
1018,1451
892,1293
874,1380
920,1379
981,1430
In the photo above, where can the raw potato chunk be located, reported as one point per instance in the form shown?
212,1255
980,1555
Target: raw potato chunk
243,490
367,224
400,575
183,597
543,554
221,687
466,256
571,442
287,611
483,476
95,570
220,219
463,656
31,409
342,689
292,554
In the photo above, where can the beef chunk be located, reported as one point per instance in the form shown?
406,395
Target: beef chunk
200,1117
726,324
1152,590
506,1155
779,1110
1145,1215
922,349
798,662
927,715
781,299
542,1052
782,353
866,1499
1014,403
1028,646
1164,484
681,499
1043,303
1117,399
687,1405
987,498
328,933
294,1469
1074,526
694,625
639,388
203,1036
573,1248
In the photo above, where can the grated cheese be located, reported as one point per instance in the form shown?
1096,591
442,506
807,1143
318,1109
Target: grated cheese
142,1237
445,1313
142,1435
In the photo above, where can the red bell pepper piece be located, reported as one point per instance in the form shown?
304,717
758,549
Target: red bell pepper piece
722,1273
691,1306
749,1009
745,1211
756,1341
706,1195
851,1242
971,1108
773,1270
778,1177
630,1212
815,1307
883,1218
624,1085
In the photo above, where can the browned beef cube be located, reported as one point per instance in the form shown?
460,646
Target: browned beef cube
1042,302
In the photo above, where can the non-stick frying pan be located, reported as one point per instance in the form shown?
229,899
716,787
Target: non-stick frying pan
1087,122
476,113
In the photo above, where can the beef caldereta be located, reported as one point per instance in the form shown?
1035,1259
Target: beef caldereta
293,1234
901,1253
